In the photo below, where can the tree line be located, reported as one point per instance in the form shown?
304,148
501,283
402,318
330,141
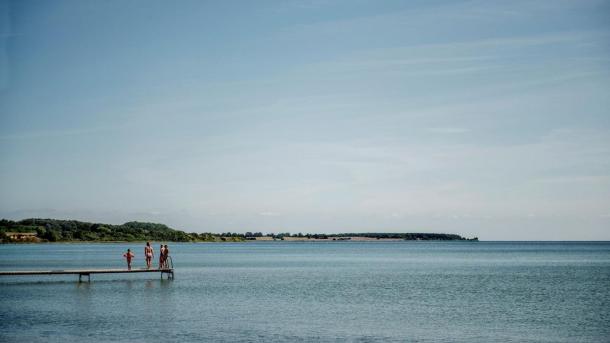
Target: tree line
55,230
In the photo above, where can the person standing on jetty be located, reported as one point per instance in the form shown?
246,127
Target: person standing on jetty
165,255
148,253
161,256
128,256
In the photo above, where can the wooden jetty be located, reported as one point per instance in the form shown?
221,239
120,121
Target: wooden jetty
169,271
88,272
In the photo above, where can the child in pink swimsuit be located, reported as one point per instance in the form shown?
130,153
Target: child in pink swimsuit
128,256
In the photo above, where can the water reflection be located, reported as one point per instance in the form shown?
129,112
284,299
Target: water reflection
83,286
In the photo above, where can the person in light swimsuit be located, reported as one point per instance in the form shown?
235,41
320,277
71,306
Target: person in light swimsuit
148,253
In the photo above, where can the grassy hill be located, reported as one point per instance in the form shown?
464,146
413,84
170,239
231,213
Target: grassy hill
54,230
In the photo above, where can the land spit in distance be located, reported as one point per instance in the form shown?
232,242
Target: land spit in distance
37,230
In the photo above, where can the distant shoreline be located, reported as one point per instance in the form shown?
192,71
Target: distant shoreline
41,230
369,240
252,241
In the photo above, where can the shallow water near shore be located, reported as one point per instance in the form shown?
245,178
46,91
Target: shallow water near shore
299,291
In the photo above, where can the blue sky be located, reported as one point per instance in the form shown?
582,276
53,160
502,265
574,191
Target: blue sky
481,118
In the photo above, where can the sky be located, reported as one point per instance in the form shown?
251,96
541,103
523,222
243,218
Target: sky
481,118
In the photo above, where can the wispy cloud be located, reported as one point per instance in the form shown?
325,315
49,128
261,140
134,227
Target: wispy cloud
448,130
61,133
269,214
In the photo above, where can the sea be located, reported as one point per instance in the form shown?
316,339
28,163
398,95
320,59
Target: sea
345,291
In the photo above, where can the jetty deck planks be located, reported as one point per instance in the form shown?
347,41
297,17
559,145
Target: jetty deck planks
88,272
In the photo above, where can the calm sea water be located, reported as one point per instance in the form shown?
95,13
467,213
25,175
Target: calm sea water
301,292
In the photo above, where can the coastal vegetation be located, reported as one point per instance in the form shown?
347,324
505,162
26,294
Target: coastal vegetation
54,230
408,236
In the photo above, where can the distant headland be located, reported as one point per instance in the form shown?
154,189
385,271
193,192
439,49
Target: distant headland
37,230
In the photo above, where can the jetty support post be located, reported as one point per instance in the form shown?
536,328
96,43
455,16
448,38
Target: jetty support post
81,274
170,274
